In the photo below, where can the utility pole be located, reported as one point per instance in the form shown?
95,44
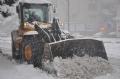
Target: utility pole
68,18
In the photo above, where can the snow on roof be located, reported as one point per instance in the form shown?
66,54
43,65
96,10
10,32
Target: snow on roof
36,1
112,33
99,33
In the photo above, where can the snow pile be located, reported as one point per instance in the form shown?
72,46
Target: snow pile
112,46
9,23
31,33
81,67
5,8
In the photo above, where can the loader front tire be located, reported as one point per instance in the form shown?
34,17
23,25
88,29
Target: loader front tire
32,49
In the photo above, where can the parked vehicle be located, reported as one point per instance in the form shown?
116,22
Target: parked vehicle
98,35
112,34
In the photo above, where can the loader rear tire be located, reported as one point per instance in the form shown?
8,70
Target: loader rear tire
32,49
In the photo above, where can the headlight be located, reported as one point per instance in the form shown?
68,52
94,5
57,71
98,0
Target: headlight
62,24
28,26
25,24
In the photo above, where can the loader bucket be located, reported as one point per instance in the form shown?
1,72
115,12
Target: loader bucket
79,47
69,47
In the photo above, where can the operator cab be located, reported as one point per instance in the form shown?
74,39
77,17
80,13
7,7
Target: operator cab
30,12
35,12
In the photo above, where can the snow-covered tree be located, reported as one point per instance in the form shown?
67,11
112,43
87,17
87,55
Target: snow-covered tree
8,16
5,7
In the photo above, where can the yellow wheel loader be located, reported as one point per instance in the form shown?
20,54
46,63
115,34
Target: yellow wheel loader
37,38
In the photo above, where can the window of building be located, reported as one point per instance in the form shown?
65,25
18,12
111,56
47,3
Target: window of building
92,6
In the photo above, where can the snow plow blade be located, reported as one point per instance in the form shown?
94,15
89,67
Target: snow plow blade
79,47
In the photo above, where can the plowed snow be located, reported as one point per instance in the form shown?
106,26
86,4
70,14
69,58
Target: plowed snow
80,67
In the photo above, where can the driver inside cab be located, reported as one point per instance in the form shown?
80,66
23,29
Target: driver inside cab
34,17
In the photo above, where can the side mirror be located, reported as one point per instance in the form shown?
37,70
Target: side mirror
54,8
17,9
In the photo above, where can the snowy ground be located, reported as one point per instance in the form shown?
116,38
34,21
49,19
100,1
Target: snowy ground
112,46
9,69
116,65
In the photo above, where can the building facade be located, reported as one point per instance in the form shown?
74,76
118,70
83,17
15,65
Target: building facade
85,16
117,19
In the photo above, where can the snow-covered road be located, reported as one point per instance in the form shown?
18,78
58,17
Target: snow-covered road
12,70
9,69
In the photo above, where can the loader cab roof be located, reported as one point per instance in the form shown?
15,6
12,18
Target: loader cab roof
35,2
41,12
26,3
